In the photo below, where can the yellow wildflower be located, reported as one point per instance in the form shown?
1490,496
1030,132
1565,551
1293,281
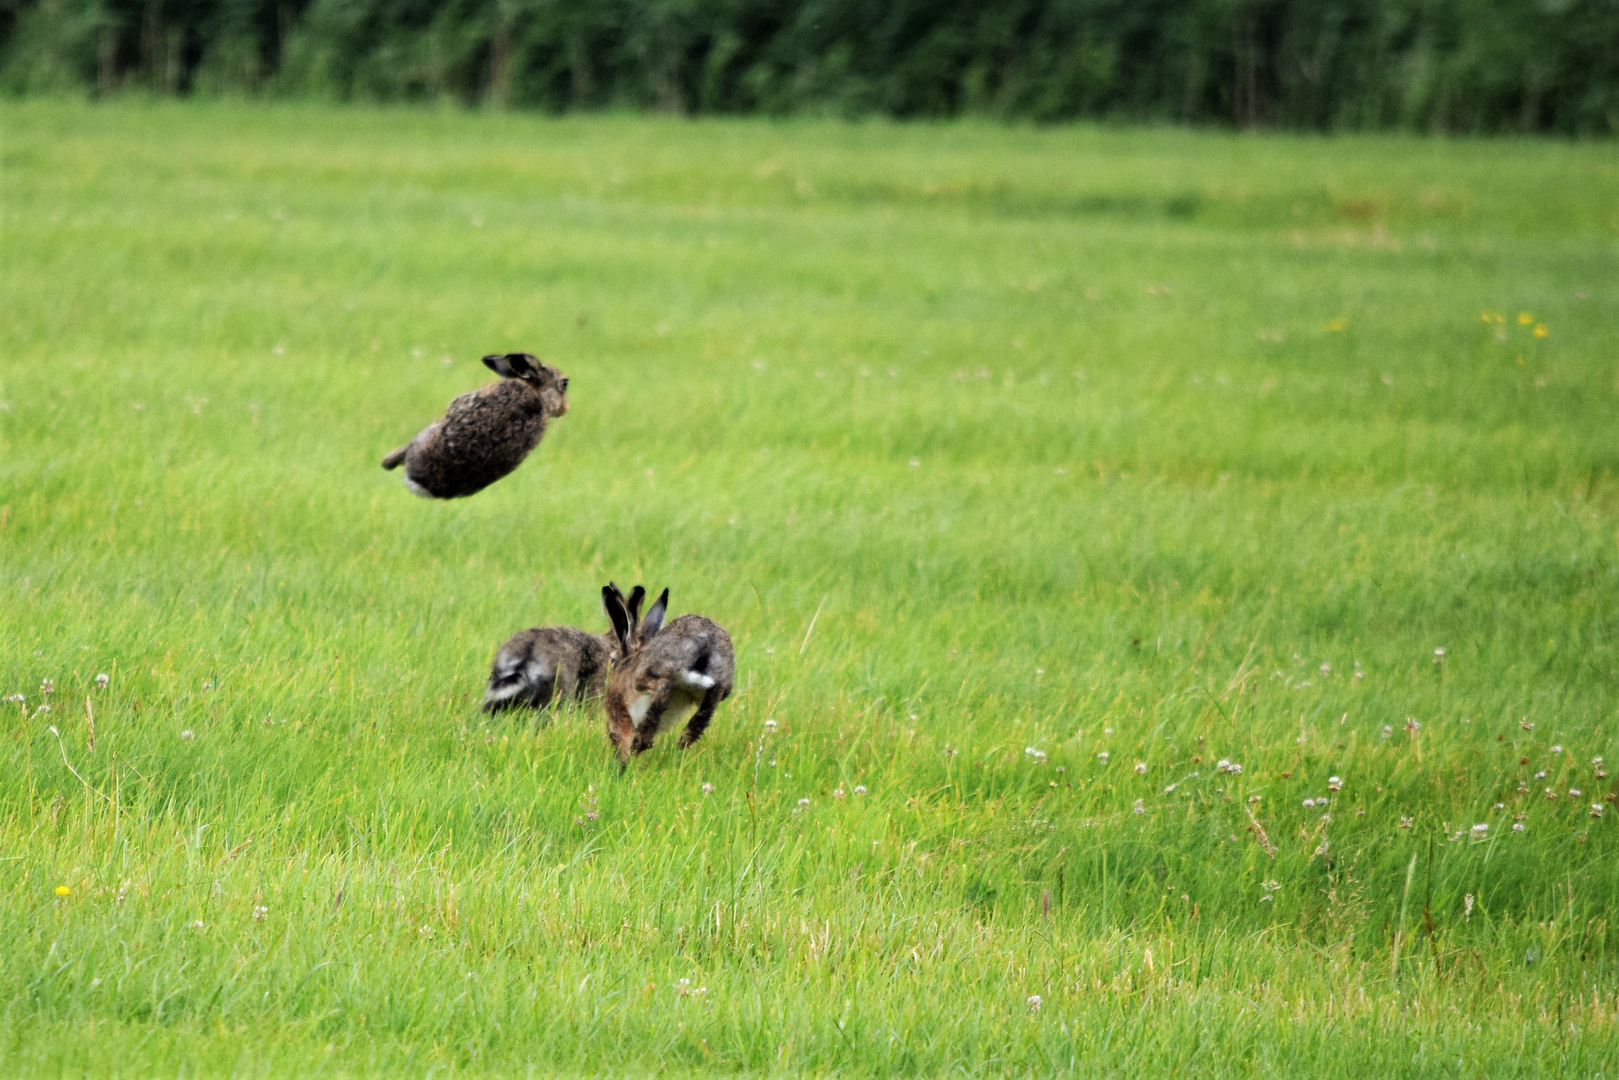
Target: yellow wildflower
63,890
1524,318
1541,330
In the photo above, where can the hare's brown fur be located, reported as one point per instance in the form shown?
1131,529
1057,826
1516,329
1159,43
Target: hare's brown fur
662,673
548,664
484,434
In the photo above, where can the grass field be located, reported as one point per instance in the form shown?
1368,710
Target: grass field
1176,596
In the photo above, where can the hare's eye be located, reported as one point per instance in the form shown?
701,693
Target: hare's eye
564,384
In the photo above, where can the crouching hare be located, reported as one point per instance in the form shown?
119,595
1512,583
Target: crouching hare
484,434
663,673
547,664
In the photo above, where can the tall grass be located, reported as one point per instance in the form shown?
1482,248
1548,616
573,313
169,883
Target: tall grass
1082,503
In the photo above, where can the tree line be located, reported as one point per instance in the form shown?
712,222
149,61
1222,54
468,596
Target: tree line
1429,65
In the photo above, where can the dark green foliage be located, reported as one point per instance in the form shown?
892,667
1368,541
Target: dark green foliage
1446,65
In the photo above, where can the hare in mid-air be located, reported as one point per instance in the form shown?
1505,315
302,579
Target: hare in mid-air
484,434
663,673
547,664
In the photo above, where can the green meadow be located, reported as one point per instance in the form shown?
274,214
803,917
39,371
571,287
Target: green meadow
1174,576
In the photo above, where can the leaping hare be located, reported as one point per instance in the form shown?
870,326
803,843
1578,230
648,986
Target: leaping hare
547,664
662,673
484,434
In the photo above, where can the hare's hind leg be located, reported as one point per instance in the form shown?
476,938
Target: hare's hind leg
699,719
396,458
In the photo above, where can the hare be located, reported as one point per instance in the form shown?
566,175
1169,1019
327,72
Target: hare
547,664
662,673
484,434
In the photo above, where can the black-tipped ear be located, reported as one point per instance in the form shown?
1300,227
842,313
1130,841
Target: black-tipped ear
637,595
613,602
512,365
654,618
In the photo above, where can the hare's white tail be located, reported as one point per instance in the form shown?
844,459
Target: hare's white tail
697,679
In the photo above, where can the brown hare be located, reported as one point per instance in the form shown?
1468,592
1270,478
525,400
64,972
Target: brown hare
484,434
547,664
663,673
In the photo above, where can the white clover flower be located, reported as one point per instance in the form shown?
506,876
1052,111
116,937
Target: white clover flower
1557,748
1386,732
1334,783
1140,807
837,793
803,802
770,725
1527,724
1253,799
103,679
1141,768
1102,757
1541,775
260,913
860,789
1222,765
1031,752
1481,829
1234,769
1413,725
1575,793
1597,760
188,734
1517,826
707,789
1033,1002
1406,821
47,686
1440,652
1309,803
1596,809
1170,788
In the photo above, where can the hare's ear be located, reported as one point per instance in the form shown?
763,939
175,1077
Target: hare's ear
512,365
654,618
637,595
613,602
